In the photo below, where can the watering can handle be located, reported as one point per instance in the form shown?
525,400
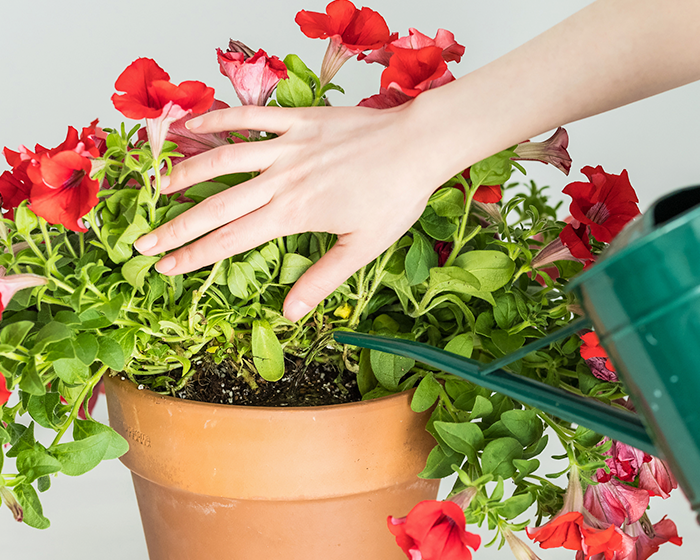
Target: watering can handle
618,424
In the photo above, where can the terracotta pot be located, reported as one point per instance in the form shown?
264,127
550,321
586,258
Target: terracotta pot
222,482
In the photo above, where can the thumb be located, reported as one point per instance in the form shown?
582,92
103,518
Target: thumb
343,259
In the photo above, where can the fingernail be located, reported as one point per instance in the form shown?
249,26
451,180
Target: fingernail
194,123
164,183
165,265
146,242
295,310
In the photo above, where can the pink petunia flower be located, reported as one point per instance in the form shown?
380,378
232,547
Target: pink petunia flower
254,78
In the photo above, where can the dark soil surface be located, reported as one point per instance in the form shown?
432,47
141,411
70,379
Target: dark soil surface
317,384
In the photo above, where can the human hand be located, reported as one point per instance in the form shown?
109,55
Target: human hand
362,174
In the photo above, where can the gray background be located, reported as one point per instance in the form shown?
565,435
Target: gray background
58,66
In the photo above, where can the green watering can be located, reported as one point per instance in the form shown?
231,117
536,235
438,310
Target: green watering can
643,299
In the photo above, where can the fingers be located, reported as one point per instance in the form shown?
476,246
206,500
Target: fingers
242,235
268,119
213,212
348,255
234,158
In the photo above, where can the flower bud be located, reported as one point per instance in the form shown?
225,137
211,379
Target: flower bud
10,501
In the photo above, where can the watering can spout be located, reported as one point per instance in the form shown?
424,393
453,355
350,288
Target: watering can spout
617,423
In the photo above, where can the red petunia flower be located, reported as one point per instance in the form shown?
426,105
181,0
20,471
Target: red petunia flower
572,244
15,187
150,95
488,194
254,78
575,528
434,530
443,250
63,191
351,31
415,71
410,72
605,204
5,393
451,49
591,348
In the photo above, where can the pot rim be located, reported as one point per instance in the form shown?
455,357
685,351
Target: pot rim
118,376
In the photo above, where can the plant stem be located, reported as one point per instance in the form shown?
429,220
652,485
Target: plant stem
45,233
459,240
197,295
90,385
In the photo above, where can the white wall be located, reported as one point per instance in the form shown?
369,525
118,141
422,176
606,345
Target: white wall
58,65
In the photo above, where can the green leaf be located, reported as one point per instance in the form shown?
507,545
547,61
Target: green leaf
237,279
524,425
515,505
537,448
420,259
482,407
293,266
127,340
494,170
33,464
448,202
268,356
83,429
462,344
296,65
86,347
437,227
439,464
79,457
136,269
505,342
30,382
498,456
506,310
587,437
390,368
22,440
51,332
4,436
294,92
426,394
13,334
464,437
33,512
43,409
201,191
43,483
525,467
71,370
67,317
493,268
453,279
110,353
25,220
366,381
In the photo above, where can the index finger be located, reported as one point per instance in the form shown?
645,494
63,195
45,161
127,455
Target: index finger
248,117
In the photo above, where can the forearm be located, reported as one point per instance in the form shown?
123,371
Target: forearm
611,53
